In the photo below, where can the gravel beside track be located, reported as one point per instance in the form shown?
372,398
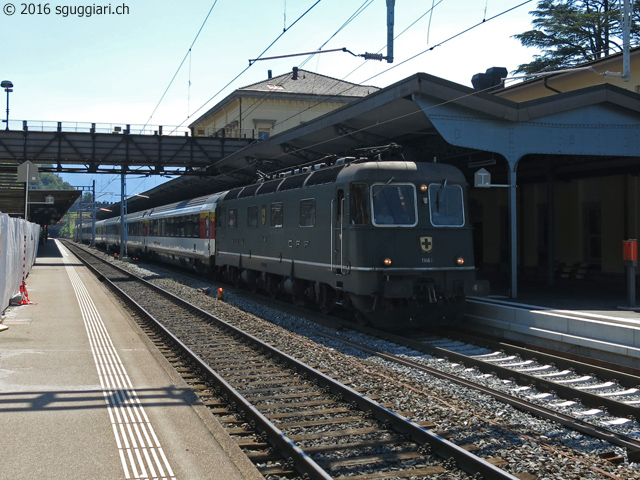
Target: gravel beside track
525,445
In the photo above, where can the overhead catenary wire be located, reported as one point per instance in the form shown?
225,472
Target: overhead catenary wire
450,38
370,78
181,64
485,20
351,18
360,130
249,66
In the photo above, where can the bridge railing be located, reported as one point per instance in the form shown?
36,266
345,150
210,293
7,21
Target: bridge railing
87,127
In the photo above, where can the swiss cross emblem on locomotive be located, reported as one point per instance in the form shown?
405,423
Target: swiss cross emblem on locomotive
426,244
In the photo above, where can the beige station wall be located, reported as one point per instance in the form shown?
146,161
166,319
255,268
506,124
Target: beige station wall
614,200
576,79
246,115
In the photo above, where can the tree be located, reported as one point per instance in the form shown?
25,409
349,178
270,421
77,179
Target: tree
571,32
51,181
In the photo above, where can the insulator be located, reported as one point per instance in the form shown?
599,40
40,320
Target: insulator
373,56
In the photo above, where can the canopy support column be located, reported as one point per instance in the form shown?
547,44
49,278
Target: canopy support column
513,226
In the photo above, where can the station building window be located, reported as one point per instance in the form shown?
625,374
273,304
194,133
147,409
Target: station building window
263,128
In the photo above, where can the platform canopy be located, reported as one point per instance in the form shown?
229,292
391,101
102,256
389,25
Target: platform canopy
46,207
587,132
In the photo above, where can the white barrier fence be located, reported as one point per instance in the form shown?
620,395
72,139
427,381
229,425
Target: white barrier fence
18,250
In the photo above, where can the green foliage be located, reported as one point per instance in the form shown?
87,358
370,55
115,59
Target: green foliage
571,32
51,181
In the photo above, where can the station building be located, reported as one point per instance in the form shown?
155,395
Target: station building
574,211
276,104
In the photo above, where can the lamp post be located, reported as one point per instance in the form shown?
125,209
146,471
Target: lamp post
8,87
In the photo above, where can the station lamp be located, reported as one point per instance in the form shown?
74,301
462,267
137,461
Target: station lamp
8,87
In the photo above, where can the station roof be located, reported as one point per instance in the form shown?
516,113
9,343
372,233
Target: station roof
435,120
296,85
44,213
41,211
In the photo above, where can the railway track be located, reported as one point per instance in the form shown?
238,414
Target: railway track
290,418
564,388
630,442
561,387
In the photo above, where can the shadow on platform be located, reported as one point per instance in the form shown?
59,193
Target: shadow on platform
564,294
49,249
11,402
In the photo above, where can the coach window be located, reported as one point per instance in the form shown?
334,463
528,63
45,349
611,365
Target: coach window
252,216
263,215
184,222
276,214
192,226
220,216
308,212
359,208
233,218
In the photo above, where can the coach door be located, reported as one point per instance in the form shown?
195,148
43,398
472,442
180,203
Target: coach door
338,231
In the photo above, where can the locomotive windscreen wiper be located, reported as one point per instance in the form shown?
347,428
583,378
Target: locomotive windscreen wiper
444,184
388,182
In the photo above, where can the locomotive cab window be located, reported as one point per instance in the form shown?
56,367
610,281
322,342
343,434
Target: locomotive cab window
446,205
276,214
394,204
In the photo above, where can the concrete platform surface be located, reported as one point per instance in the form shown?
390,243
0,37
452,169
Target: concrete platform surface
84,394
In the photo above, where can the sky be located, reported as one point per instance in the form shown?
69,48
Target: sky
166,62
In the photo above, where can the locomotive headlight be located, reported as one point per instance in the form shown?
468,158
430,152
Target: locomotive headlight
460,261
423,188
387,262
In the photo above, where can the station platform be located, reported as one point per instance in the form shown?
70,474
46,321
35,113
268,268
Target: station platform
567,294
84,394
589,318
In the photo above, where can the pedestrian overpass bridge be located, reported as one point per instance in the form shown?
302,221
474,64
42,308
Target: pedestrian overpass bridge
69,148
